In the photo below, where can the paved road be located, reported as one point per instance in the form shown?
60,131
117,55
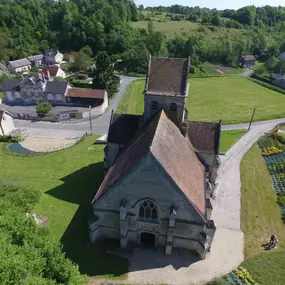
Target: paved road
75,129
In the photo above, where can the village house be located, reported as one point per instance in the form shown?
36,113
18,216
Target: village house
53,71
33,88
160,169
36,87
3,69
53,57
247,60
19,66
6,123
36,60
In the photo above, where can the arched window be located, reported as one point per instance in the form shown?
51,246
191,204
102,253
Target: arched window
154,105
148,210
173,107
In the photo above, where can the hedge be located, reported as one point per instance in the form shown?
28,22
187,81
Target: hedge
269,86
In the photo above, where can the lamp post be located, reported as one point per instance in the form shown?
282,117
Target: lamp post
251,118
90,119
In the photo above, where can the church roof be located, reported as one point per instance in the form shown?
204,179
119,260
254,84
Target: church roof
123,127
167,76
162,138
205,137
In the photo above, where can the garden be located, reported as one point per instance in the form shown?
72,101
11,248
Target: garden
230,99
273,151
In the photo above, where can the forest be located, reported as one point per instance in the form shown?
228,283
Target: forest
32,26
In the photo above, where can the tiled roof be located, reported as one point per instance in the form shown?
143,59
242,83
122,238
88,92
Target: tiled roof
249,57
167,76
123,127
33,78
86,93
205,137
35,57
56,87
52,70
172,150
10,84
20,62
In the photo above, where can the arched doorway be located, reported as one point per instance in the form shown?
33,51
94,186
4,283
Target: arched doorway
148,239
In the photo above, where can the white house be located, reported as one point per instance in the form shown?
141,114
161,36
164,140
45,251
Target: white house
19,66
53,57
6,123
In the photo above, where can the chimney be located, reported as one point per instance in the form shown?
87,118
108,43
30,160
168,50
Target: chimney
48,75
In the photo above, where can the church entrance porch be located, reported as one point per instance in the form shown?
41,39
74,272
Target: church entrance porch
148,239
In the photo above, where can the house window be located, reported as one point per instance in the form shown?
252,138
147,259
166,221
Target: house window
148,210
173,107
154,105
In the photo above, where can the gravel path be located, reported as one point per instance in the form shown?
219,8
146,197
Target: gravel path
148,267
46,145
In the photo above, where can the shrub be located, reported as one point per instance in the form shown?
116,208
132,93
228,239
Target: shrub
11,139
270,151
43,108
269,86
281,200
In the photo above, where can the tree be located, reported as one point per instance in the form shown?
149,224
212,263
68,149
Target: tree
28,254
59,79
216,20
87,50
43,108
81,61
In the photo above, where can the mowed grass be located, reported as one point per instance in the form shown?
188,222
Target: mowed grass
230,99
133,99
68,181
228,138
260,218
186,28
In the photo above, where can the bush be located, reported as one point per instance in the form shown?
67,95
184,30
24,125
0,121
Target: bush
269,86
10,139
281,200
43,108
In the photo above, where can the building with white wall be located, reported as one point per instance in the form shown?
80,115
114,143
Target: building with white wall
6,123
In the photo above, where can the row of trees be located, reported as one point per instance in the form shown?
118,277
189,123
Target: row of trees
249,15
28,254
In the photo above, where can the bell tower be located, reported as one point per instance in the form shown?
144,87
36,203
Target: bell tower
166,87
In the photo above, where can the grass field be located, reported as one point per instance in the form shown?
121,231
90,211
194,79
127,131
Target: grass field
68,180
260,218
228,138
177,28
231,99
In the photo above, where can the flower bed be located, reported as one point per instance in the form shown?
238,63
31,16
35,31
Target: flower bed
273,153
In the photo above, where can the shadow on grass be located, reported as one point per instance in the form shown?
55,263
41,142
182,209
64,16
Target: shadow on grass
79,188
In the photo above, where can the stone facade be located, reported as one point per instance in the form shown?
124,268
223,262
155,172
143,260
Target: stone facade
177,223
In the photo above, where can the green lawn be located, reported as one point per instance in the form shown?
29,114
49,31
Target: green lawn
231,99
228,138
133,100
68,180
260,218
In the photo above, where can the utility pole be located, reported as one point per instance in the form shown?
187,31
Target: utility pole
251,119
90,119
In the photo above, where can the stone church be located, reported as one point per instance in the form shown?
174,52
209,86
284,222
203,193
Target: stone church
160,169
